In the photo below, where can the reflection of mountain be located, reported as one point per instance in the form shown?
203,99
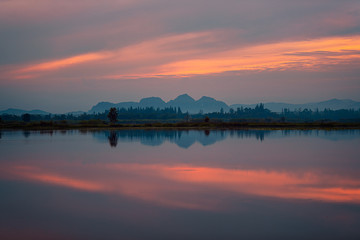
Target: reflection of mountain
183,139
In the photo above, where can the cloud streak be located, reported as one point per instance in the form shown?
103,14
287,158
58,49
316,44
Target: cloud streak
183,55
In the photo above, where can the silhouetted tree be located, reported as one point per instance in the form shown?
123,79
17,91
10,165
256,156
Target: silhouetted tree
112,115
25,117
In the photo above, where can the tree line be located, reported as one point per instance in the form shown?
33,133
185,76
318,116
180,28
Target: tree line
259,113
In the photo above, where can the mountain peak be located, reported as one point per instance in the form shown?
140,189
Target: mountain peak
206,98
152,102
152,99
336,100
184,97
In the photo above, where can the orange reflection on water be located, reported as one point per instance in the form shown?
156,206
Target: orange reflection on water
190,186
273,184
65,181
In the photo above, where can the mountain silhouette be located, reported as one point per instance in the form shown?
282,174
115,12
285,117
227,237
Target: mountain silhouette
184,102
205,104
208,104
154,102
333,104
18,112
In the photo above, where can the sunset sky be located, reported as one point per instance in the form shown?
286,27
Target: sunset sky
62,56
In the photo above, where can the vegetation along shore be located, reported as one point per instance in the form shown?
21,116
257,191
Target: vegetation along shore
241,118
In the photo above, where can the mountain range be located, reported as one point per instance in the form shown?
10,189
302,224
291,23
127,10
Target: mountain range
204,104
333,104
184,102
19,112
208,104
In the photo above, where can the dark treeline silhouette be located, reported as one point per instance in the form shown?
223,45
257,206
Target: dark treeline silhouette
259,112
328,114
116,114
171,114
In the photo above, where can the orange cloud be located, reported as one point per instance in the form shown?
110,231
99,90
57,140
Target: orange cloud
278,56
136,60
62,63
185,54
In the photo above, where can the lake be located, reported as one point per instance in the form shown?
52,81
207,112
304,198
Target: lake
165,184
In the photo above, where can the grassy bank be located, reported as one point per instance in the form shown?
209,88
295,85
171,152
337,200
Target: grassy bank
62,125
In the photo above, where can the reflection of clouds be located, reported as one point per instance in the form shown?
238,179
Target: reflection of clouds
187,186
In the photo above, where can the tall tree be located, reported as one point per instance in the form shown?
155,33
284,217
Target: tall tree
25,117
112,115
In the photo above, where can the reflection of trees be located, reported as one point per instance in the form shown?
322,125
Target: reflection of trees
0,134
183,138
26,133
258,134
47,132
113,138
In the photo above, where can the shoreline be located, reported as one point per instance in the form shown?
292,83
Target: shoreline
182,126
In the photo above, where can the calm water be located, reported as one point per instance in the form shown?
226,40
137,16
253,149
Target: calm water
139,184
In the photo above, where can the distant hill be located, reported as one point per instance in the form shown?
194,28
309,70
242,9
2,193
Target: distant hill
205,104
184,102
333,104
208,104
76,113
19,112
154,102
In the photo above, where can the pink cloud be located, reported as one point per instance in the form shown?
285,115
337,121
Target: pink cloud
184,55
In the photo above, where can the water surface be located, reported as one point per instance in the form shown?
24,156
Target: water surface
144,184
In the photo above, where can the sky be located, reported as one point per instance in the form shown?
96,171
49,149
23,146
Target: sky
62,56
